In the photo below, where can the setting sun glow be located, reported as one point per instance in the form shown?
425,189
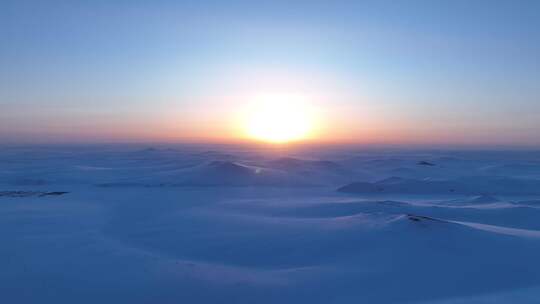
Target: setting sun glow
279,119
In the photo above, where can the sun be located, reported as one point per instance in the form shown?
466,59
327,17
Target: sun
279,118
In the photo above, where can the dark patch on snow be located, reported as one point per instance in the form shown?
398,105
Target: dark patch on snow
53,193
419,218
30,193
404,185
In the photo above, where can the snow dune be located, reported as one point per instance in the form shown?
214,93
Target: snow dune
193,224
479,185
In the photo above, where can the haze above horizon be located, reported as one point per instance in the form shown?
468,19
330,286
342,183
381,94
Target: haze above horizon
366,72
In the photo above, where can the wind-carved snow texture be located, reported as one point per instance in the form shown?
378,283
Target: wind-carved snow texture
216,224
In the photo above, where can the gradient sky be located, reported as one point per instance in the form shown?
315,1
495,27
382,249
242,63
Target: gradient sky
443,72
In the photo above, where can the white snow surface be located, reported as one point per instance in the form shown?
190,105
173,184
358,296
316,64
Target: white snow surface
237,224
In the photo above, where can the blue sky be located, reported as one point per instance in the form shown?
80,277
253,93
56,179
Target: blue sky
455,72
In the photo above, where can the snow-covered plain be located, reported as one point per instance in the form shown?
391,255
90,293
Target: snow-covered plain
229,224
